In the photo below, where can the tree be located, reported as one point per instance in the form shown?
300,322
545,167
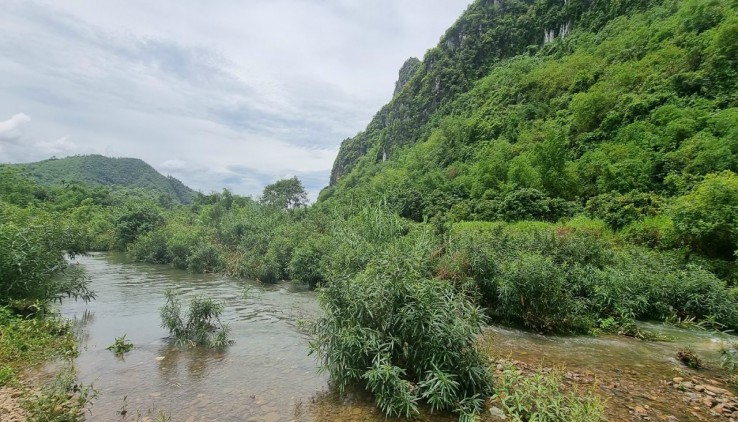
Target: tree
707,218
286,194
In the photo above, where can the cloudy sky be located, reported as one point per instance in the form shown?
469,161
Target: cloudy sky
218,93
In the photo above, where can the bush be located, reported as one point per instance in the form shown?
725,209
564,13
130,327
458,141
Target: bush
654,232
199,325
206,258
306,263
33,266
151,247
567,277
706,219
407,337
620,210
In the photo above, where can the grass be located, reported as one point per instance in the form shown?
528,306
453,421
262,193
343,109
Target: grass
62,400
26,342
539,397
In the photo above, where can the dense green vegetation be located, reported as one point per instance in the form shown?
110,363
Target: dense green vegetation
98,170
574,185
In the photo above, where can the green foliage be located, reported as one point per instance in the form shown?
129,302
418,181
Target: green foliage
306,262
573,276
120,346
198,325
620,210
29,341
706,219
63,400
405,335
286,194
729,356
137,220
7,375
540,398
33,266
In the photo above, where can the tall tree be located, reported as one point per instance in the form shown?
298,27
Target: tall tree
286,194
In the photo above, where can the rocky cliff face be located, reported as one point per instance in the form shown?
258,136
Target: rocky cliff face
407,71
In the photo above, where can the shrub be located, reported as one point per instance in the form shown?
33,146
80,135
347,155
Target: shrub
199,325
33,266
620,210
306,263
206,258
654,232
407,337
707,218
150,247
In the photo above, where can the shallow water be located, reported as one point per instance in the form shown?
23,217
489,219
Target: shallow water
266,374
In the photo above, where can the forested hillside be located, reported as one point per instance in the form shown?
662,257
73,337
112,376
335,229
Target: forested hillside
625,111
106,171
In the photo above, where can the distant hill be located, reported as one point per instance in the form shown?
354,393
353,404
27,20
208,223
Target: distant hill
107,171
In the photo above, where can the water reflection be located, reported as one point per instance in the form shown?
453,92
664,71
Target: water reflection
196,361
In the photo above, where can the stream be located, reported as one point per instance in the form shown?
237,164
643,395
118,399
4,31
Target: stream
266,375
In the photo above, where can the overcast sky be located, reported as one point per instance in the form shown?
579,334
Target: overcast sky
218,93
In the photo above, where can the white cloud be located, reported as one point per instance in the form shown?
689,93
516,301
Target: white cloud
222,93
9,129
173,165
59,147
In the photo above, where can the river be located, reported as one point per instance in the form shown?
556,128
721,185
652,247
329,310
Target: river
266,374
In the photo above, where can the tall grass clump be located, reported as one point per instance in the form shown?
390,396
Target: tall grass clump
198,325
405,336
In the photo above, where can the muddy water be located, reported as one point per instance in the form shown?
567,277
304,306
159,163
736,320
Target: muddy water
266,374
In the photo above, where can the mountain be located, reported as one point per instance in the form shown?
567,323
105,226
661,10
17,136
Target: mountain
107,171
541,109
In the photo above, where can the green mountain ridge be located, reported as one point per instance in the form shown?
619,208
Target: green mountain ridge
106,171
540,109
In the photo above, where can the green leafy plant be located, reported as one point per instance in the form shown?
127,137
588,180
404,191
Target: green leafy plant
404,335
121,346
63,400
7,375
198,325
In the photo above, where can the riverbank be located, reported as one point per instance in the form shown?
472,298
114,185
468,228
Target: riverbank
10,407
637,380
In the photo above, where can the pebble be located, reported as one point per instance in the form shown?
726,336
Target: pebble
271,417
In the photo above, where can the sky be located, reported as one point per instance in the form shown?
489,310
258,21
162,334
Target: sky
219,93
